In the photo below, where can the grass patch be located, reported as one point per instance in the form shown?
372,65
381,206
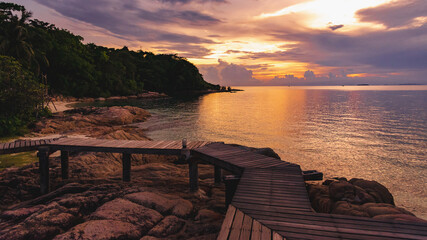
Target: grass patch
17,159
8,139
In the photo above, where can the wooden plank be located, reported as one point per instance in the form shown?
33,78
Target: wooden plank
222,152
256,230
302,218
265,201
238,202
151,144
158,143
170,144
237,225
191,144
273,187
226,224
245,233
275,194
283,189
67,141
201,143
27,144
265,232
302,235
334,219
337,231
176,145
277,236
224,165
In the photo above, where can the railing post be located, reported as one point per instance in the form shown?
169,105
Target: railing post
194,174
43,155
126,167
185,152
64,164
231,182
218,174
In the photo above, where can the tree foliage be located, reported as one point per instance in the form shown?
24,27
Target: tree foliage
87,70
20,96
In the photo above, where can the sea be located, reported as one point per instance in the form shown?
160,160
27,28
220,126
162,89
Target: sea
371,132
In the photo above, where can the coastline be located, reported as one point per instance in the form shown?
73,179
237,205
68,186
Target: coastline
90,198
156,203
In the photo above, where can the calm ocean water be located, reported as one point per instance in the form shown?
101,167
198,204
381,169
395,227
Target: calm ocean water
371,132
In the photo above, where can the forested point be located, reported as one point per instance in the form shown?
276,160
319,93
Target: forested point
46,60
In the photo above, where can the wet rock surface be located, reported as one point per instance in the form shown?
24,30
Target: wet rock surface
94,203
357,197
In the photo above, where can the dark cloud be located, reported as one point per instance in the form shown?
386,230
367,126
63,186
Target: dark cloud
296,53
383,49
185,50
171,16
127,19
335,27
189,1
395,14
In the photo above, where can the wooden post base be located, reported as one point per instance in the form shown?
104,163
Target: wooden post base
43,155
231,182
194,175
218,174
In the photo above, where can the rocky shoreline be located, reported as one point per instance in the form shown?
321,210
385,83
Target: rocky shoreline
157,204
94,203
357,197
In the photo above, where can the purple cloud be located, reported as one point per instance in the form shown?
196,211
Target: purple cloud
127,19
395,14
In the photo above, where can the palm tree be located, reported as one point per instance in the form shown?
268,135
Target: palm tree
14,34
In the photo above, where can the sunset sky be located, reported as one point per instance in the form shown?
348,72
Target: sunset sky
261,42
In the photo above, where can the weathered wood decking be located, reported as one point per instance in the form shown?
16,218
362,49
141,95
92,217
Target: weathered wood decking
23,145
270,202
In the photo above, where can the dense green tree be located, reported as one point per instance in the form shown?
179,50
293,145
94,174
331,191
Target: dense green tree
21,96
73,68
13,37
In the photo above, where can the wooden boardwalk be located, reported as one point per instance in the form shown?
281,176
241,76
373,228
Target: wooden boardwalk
24,145
270,202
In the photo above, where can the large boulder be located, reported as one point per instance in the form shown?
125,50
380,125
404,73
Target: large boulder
181,208
319,197
206,215
341,191
375,189
42,224
168,226
20,212
151,200
357,197
127,211
346,208
102,230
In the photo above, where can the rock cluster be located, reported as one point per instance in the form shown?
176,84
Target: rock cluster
357,197
116,210
94,203
106,122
